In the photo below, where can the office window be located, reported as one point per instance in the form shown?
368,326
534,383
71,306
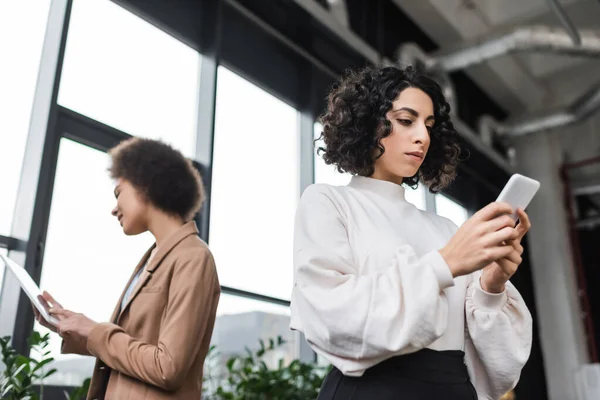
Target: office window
88,259
2,269
240,324
22,31
255,187
126,73
326,173
450,209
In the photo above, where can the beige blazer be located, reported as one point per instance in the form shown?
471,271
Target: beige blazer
154,348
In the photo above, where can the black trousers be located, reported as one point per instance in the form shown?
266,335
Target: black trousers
424,375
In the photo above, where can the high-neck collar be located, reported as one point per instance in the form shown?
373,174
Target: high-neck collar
386,189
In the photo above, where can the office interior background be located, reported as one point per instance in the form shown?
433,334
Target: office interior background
237,86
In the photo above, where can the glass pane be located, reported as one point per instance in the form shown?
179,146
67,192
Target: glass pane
3,252
326,173
18,79
87,255
255,185
132,76
450,209
240,324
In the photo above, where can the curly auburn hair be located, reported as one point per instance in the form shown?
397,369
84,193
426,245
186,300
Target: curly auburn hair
355,122
162,174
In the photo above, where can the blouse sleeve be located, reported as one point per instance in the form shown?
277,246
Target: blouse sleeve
499,338
357,320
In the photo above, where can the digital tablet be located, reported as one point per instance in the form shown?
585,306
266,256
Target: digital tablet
29,287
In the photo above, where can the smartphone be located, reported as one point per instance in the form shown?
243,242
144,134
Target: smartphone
518,192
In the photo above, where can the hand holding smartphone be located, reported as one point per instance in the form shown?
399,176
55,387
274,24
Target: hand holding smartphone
518,192
490,229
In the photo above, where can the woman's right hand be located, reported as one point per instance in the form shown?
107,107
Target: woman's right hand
48,302
481,240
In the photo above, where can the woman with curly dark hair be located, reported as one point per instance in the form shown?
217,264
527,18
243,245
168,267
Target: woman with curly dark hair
156,341
404,304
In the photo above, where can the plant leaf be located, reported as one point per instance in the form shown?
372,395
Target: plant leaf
49,373
41,364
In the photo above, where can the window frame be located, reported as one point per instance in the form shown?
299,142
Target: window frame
62,122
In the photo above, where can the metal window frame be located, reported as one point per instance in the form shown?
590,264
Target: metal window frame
16,316
12,243
306,171
60,122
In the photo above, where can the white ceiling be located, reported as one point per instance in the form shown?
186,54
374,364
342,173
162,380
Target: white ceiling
520,83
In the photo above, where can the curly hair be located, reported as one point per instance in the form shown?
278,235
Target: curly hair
355,122
162,174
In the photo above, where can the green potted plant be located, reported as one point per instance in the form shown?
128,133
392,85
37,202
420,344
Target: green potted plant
23,377
22,373
250,378
79,393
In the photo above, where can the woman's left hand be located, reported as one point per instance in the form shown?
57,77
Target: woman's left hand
495,275
75,325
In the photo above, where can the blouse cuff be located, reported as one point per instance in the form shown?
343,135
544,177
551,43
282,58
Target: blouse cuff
440,268
488,301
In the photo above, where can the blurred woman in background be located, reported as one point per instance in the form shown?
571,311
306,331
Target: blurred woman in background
156,341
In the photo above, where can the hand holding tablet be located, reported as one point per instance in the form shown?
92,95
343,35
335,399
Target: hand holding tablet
30,288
